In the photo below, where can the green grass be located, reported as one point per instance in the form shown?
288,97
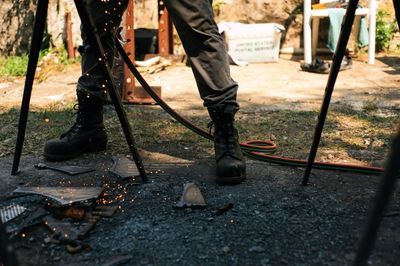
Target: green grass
349,135
386,27
15,66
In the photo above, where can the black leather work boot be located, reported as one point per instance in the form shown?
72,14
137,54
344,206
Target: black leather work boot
230,163
86,135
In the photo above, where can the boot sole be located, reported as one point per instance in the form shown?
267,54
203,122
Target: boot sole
90,148
230,180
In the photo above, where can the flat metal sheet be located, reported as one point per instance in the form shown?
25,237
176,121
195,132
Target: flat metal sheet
123,168
10,212
66,169
64,195
66,230
34,218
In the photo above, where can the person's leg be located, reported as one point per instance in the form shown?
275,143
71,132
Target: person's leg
206,50
88,134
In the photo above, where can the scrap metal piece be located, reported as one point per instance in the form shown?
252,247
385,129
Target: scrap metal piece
34,218
72,249
74,212
76,246
104,211
117,260
10,212
223,209
191,197
123,168
66,231
64,195
66,169
87,227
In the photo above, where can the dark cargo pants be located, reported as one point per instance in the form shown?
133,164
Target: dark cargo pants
204,46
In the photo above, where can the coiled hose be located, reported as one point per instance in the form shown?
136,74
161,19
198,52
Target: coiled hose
259,150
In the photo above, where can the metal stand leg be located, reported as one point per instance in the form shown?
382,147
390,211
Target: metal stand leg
396,5
337,60
91,33
37,37
383,195
94,40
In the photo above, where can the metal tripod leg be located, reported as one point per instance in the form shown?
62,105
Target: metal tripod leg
385,190
37,37
337,60
94,40
396,5
383,195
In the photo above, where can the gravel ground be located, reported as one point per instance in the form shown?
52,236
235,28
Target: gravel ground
274,220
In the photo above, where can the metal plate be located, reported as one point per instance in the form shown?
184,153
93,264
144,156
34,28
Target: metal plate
10,212
123,168
64,195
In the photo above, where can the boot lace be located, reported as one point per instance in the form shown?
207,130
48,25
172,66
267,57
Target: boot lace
78,122
224,137
210,126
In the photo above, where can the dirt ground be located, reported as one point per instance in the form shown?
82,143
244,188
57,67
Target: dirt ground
271,86
273,219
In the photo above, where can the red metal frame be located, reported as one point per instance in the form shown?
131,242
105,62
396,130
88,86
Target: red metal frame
131,93
165,31
128,84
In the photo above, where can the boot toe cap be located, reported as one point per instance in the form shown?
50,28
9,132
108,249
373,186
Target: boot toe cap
230,172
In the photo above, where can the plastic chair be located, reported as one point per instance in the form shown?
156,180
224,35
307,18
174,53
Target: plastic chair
311,27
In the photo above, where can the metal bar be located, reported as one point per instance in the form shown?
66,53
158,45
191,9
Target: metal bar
129,35
37,37
68,30
383,196
165,31
396,5
337,60
7,254
94,40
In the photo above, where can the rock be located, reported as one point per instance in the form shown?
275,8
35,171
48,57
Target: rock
226,249
191,197
256,249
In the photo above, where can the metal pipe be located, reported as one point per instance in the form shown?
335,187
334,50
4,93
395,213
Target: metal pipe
37,37
337,60
383,196
396,5
93,37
